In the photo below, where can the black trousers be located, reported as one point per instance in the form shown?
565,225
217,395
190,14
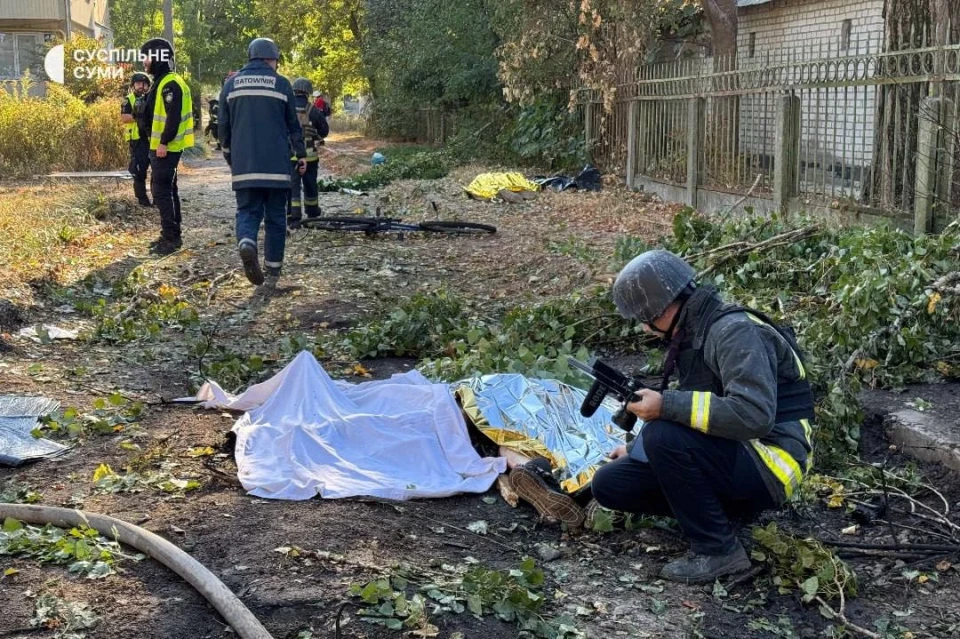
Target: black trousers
310,193
139,163
163,185
701,480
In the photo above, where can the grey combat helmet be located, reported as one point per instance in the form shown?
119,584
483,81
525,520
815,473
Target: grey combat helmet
302,85
649,283
263,49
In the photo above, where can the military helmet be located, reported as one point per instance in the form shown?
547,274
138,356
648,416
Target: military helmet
302,85
139,76
154,45
263,49
649,283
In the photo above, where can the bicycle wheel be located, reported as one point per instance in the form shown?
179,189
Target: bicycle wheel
458,228
355,223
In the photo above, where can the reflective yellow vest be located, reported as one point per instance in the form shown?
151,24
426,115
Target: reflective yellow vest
184,138
131,131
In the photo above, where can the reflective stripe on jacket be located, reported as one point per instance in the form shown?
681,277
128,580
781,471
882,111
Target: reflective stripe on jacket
184,137
740,378
258,127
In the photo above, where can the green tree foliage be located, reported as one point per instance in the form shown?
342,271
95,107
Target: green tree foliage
322,41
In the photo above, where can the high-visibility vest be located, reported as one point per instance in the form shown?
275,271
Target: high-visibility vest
131,131
184,138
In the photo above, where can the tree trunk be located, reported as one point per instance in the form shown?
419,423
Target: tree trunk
893,171
722,16
168,20
723,169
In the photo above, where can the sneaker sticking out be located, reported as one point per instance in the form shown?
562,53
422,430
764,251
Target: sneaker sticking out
251,264
531,486
702,569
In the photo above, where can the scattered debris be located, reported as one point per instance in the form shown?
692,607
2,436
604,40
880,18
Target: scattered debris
46,333
548,553
19,417
65,618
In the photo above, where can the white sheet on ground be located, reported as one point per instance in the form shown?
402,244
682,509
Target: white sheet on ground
304,434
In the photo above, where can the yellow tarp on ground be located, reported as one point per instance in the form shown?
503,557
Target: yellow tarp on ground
486,185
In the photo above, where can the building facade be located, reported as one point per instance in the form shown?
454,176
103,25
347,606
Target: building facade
26,26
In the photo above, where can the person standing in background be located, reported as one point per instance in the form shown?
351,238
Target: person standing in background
137,135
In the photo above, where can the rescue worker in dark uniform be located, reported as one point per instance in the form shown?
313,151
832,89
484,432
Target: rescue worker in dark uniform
137,136
213,108
258,127
315,128
731,440
169,112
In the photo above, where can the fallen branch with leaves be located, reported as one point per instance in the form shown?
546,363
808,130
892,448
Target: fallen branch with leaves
734,250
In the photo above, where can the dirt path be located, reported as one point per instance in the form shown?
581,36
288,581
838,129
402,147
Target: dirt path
553,245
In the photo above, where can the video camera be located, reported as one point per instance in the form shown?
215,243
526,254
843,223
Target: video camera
609,381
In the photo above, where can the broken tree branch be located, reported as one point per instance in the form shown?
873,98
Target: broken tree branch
737,249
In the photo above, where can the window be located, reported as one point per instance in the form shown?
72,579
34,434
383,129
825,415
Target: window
8,56
19,53
752,45
845,31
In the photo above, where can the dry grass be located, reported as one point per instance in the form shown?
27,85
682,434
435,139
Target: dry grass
59,132
57,233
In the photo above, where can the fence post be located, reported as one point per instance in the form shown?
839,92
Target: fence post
588,109
947,161
632,115
786,160
926,191
695,138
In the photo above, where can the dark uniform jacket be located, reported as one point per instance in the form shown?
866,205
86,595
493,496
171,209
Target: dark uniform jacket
258,127
742,378
316,128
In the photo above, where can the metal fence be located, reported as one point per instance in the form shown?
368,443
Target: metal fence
860,134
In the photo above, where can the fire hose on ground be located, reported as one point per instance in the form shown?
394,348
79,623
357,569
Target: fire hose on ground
193,572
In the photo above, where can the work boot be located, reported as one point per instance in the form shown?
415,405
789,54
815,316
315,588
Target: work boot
294,224
530,481
166,247
702,569
145,202
272,276
251,264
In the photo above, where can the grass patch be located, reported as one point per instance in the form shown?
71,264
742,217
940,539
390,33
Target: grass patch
406,162
58,234
347,123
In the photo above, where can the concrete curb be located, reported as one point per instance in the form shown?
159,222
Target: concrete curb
925,436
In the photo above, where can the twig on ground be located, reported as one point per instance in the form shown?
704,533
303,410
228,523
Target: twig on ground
922,531
889,547
840,613
750,575
469,532
840,616
340,610
726,214
213,284
208,344
856,553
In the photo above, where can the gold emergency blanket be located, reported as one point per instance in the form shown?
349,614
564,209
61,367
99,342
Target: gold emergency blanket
541,418
487,185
